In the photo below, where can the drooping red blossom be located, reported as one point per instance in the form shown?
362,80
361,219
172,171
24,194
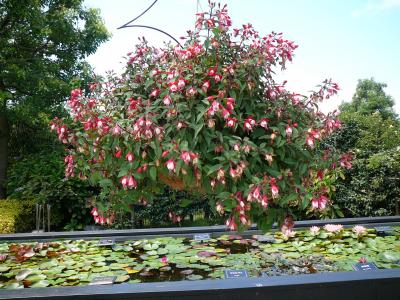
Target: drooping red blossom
130,157
249,123
171,165
174,217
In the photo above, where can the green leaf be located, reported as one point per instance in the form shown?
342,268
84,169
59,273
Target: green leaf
106,182
153,173
198,128
273,172
41,284
303,168
185,202
214,168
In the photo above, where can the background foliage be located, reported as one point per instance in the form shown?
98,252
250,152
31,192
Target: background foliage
16,215
41,177
371,130
43,44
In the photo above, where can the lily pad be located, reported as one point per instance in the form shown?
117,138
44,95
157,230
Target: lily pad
4,269
149,246
13,286
40,284
122,278
23,274
187,272
389,256
194,277
35,277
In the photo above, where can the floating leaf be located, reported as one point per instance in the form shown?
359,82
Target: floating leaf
35,277
23,274
146,274
4,269
149,246
132,271
187,272
14,285
206,254
40,284
122,278
389,256
162,251
194,277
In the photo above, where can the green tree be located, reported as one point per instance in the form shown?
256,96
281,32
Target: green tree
371,130
369,98
43,44
368,134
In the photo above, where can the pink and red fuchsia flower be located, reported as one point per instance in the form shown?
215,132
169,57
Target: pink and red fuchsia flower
210,117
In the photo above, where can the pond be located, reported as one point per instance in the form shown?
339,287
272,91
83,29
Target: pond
85,262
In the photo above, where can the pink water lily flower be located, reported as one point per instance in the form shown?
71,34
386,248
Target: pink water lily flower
333,228
314,230
164,260
359,230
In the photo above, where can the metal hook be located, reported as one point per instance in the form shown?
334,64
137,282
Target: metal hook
128,24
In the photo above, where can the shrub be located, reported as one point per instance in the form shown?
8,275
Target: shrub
170,208
206,117
41,177
371,131
371,187
16,215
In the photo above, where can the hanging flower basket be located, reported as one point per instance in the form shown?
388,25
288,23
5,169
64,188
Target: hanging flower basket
209,113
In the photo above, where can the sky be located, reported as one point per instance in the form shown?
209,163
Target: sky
339,39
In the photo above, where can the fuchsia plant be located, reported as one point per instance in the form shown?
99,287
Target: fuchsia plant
209,118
